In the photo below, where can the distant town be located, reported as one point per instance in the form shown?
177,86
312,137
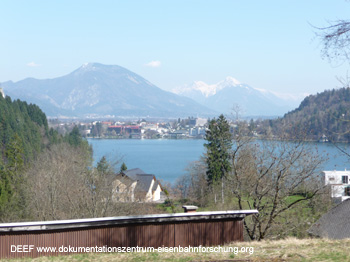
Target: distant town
188,128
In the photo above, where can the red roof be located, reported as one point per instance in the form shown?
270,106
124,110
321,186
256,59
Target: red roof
119,126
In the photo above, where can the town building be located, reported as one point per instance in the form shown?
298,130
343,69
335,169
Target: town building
128,130
197,131
339,183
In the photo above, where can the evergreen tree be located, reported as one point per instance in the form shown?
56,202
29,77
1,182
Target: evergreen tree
5,189
74,138
12,200
219,143
14,155
103,166
54,136
123,167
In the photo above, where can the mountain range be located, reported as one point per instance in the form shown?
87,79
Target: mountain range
97,90
225,94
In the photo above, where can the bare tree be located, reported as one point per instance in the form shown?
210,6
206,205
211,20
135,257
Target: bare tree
62,184
236,112
336,40
182,188
52,183
272,177
196,171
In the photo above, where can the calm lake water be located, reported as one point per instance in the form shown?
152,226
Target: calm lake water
168,159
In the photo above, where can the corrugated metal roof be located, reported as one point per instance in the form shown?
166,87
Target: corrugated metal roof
93,222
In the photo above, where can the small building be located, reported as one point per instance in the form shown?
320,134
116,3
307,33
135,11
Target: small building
132,129
339,183
117,128
334,224
107,123
113,234
201,122
179,134
197,131
125,129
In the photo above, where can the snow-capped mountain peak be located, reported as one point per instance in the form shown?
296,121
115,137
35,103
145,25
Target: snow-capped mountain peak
229,80
204,89
195,87
87,66
224,94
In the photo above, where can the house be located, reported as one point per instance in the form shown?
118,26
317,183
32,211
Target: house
135,185
339,183
123,188
334,224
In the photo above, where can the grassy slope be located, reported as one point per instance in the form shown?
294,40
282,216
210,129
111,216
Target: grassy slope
282,250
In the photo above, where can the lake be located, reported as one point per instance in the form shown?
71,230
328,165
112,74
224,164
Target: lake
167,159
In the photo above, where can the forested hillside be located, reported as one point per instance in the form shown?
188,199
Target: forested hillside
326,113
25,127
24,135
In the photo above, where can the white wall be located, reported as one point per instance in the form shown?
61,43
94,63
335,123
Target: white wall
335,180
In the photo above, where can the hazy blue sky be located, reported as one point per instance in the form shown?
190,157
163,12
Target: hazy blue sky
266,44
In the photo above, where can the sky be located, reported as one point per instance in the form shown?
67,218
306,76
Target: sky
269,45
